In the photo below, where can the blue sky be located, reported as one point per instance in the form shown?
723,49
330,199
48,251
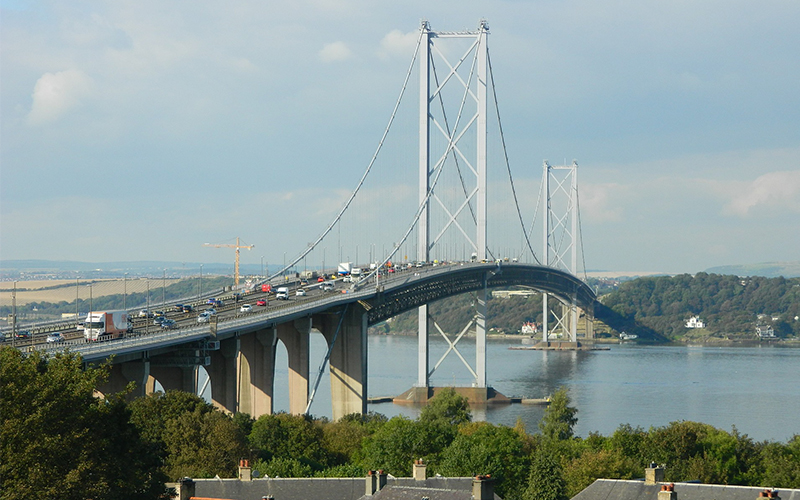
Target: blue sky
139,130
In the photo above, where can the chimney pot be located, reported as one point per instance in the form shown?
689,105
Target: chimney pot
420,470
482,487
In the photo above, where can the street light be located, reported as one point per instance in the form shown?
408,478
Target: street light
262,266
199,296
125,291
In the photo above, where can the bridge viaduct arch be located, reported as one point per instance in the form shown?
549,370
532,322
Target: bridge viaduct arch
241,364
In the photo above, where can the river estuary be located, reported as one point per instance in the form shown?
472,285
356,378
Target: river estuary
755,389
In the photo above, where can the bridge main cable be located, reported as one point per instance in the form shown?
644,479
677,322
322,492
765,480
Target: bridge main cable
338,217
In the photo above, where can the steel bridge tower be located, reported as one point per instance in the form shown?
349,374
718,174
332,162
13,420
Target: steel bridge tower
561,239
473,89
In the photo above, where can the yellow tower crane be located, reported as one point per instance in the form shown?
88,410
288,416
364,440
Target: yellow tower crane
237,246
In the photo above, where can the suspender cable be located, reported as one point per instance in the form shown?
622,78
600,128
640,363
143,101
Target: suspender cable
366,172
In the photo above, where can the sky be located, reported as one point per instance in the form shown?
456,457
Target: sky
139,130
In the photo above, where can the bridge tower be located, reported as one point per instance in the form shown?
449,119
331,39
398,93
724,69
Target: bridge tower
461,145
561,239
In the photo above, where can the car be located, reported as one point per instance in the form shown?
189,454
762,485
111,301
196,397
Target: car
187,308
168,324
261,302
211,311
211,301
300,292
23,334
179,307
327,286
320,279
159,319
143,313
158,313
203,317
246,308
55,337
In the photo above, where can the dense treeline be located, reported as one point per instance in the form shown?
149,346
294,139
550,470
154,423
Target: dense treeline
71,445
729,305
180,290
655,308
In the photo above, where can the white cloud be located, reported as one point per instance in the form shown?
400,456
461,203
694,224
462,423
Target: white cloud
601,202
775,190
397,43
56,94
334,52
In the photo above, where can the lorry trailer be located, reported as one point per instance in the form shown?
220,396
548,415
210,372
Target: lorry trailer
106,324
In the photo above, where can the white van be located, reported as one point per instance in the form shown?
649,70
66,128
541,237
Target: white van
282,293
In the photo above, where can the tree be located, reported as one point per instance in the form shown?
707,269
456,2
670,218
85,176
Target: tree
288,436
191,436
483,448
447,407
400,441
545,481
559,417
59,441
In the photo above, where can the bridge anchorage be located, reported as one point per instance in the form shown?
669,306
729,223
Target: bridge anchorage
237,350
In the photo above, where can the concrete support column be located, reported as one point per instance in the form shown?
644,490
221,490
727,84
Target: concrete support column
422,346
348,361
223,374
123,373
173,378
294,336
257,372
480,336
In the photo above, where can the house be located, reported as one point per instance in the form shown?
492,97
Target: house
654,488
765,332
695,322
376,486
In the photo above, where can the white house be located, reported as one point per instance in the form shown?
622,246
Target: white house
695,322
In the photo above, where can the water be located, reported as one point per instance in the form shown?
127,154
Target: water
753,388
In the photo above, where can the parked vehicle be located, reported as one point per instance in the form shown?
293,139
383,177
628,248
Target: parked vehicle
246,308
282,293
107,324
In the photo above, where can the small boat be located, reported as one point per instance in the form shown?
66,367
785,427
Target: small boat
628,336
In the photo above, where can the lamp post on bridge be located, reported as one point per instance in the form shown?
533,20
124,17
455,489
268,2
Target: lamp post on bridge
125,291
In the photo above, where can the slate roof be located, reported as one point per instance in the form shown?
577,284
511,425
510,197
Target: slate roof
618,489
326,488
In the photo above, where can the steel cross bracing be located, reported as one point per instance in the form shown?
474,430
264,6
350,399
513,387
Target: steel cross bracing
560,243
473,90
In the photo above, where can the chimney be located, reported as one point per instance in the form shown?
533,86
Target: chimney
244,470
381,480
667,492
769,494
185,489
420,470
372,482
653,474
482,488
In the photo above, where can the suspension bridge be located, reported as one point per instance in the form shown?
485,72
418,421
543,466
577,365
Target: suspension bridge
458,243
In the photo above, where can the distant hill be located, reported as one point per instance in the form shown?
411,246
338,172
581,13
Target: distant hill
765,269
117,269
